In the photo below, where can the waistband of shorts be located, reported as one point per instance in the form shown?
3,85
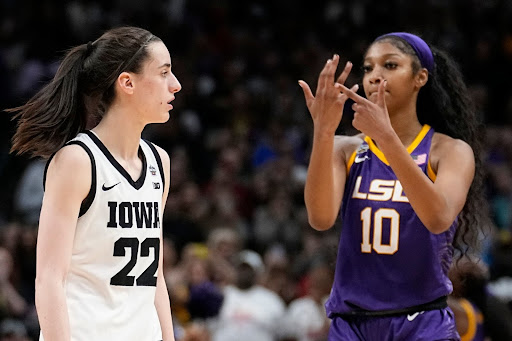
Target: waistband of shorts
438,303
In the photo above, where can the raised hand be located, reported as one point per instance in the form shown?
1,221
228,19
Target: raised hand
372,119
326,106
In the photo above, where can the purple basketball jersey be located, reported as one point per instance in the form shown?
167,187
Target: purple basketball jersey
387,259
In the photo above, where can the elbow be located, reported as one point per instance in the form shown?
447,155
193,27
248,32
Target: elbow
46,284
320,224
439,224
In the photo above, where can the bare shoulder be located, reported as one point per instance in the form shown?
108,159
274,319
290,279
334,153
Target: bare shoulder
346,145
163,155
70,171
72,157
446,146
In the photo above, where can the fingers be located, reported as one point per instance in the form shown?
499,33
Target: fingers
326,77
343,98
351,93
344,74
308,95
381,95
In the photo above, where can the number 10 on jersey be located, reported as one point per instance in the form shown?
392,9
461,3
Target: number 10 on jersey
376,219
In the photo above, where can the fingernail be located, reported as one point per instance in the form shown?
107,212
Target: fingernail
328,61
349,63
356,87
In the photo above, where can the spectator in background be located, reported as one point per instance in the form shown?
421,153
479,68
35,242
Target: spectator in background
13,330
478,312
306,318
28,194
249,311
223,244
12,304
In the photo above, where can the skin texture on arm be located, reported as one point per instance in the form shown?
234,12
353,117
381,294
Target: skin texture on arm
162,303
68,182
438,203
325,180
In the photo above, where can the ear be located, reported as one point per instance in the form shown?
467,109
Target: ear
125,82
421,78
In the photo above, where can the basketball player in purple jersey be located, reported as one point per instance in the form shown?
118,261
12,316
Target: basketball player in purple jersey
406,186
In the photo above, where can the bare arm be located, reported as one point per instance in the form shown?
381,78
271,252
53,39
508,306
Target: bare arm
325,180
162,303
438,203
67,183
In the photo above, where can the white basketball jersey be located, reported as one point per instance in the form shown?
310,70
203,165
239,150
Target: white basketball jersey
111,284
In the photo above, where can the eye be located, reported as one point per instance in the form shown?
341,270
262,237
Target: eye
165,73
366,68
390,65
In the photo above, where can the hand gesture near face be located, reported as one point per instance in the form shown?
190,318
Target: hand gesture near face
370,118
326,106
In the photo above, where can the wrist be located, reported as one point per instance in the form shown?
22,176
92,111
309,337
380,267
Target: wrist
385,138
323,134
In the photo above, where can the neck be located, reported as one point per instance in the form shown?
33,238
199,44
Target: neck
119,133
406,125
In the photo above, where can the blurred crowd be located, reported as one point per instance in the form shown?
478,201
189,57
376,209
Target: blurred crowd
240,255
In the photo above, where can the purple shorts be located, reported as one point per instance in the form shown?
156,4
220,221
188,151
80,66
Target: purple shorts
423,326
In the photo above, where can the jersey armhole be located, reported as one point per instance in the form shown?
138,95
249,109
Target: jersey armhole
158,161
430,172
87,202
351,161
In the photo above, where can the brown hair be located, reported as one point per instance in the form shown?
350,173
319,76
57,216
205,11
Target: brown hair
81,90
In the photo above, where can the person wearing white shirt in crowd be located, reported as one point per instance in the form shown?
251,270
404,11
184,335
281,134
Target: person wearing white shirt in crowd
249,311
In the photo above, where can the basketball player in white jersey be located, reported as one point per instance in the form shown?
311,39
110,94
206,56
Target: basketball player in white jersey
99,255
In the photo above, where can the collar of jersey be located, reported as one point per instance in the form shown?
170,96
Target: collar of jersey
375,150
137,184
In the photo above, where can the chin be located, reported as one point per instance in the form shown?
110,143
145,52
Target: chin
165,117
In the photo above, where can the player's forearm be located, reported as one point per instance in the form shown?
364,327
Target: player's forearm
430,206
163,309
52,310
319,188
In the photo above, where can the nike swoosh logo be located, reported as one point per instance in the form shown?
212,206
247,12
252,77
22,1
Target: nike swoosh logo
413,316
361,159
105,188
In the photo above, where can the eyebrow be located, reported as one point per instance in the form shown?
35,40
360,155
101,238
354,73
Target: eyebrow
387,55
164,65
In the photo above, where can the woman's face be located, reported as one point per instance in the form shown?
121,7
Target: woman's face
383,61
156,85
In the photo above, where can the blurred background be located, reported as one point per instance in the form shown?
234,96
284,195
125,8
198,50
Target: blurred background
240,256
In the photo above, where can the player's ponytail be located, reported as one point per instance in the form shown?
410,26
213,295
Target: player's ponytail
445,104
55,114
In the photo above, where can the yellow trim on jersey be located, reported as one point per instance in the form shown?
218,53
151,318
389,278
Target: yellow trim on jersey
430,172
410,149
470,313
351,161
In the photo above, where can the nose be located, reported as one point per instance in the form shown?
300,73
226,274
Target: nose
174,84
375,76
